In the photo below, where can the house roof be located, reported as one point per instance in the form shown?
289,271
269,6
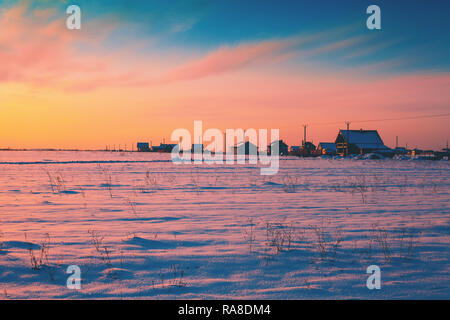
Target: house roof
364,139
328,145
247,145
280,142
164,146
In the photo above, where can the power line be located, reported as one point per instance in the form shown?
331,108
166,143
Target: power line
387,119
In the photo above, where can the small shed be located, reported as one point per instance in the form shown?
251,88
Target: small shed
283,148
328,148
143,147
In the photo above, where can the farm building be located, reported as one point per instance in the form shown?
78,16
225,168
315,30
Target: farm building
246,148
294,149
283,148
163,147
326,148
143,147
360,142
308,149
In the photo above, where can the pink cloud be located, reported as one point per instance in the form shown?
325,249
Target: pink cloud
337,45
38,49
227,59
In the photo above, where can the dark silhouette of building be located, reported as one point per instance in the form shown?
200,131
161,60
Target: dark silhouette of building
246,148
360,142
283,148
163,147
328,148
143,147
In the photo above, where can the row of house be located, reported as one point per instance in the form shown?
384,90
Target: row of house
347,142
163,147
240,148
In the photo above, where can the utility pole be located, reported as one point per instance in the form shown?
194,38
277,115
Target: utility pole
348,136
396,142
304,135
225,143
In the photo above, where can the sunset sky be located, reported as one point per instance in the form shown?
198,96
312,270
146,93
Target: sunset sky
137,70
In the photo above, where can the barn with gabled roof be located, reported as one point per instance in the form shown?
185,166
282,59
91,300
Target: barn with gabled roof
360,142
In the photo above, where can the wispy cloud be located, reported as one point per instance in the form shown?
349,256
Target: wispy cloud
36,48
370,49
227,59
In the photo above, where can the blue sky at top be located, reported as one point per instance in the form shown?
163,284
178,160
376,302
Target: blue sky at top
415,32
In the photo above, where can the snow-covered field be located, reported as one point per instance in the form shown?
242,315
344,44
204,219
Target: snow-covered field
139,226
